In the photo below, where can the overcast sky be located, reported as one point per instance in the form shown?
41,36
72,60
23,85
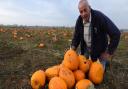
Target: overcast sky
58,12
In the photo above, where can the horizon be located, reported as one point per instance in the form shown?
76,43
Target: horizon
15,25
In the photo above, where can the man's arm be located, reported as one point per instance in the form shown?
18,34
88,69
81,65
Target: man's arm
114,35
76,36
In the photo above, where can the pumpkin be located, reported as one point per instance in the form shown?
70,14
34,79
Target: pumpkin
71,60
84,65
1,30
41,45
79,75
21,38
84,84
52,72
14,33
68,76
96,72
28,36
14,36
62,65
38,79
57,83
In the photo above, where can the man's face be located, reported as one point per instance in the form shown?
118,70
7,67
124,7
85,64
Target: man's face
84,11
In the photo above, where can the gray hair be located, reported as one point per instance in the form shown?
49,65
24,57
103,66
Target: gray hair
83,2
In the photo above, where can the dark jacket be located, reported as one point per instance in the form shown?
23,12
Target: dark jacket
101,28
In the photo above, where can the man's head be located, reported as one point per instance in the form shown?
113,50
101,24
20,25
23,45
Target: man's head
84,10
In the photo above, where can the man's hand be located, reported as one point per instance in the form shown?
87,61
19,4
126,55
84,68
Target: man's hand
73,48
105,56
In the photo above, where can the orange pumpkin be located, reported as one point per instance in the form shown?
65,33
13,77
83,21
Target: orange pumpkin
1,30
57,83
68,76
84,84
52,72
14,33
21,38
62,65
41,45
79,75
71,60
84,65
38,79
28,36
14,36
96,72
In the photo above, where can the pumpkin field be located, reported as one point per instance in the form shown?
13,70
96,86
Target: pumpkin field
24,50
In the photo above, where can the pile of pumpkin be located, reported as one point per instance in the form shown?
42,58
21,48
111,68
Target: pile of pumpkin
75,71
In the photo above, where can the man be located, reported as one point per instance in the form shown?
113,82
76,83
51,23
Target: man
96,33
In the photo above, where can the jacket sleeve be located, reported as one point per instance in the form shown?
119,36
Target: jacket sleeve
76,35
113,33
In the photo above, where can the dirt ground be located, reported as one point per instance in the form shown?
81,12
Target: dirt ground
20,58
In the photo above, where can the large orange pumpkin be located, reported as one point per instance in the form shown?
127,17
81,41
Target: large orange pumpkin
79,75
38,79
68,76
71,60
52,72
84,65
57,83
96,72
84,84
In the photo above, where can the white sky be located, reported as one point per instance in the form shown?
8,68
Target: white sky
58,12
